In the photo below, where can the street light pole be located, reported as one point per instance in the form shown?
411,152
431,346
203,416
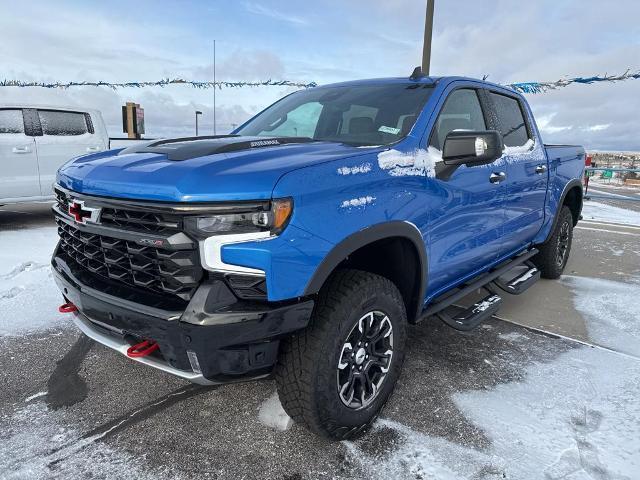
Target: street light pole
428,34
214,87
198,112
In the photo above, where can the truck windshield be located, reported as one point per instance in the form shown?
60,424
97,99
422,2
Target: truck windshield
355,115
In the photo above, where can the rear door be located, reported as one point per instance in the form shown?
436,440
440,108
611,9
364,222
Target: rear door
65,134
525,164
18,161
466,215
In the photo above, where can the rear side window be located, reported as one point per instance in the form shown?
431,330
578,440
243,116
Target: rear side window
63,123
511,123
461,111
11,121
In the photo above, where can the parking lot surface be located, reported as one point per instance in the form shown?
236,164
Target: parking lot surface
550,389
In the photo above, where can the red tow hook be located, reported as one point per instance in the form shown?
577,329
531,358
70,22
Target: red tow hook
142,349
67,308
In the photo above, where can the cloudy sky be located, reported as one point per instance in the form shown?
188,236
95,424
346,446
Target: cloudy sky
324,41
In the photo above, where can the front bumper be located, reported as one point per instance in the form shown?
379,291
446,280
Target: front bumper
216,339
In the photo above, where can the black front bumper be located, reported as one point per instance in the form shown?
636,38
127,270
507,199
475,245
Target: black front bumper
216,339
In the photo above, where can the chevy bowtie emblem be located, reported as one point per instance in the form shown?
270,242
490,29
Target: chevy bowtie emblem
82,213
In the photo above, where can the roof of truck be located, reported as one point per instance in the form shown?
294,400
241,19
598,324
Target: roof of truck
420,80
70,108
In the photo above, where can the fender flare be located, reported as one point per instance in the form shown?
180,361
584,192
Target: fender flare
364,237
567,188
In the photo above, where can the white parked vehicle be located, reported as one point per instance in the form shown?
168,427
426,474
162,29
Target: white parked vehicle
36,140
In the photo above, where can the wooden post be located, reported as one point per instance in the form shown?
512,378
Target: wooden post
130,124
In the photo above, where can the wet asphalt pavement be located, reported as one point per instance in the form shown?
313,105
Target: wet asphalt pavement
503,401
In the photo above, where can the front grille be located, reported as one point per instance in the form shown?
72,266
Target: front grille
157,269
162,271
140,221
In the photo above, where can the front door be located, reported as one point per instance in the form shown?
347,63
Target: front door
467,215
18,161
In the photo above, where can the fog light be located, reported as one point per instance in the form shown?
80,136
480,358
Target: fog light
193,360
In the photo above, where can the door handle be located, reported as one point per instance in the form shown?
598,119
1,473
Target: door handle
22,149
93,149
540,169
497,177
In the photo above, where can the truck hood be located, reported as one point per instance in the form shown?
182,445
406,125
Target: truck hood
205,169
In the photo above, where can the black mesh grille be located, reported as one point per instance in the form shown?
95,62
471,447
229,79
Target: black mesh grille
140,221
162,271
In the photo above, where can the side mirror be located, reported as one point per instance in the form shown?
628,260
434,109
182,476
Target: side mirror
472,148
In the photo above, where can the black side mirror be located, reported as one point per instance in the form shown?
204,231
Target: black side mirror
472,148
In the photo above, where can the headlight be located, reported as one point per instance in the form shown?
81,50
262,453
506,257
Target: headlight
272,220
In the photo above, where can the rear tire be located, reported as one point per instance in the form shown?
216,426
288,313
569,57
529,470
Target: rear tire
554,254
335,376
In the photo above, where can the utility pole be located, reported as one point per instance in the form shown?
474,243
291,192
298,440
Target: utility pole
428,34
214,87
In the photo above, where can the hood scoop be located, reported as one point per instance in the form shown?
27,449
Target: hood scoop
179,149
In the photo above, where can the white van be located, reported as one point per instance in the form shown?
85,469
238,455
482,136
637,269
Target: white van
36,140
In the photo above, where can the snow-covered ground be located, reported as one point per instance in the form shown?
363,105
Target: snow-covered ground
36,445
601,212
577,417
28,295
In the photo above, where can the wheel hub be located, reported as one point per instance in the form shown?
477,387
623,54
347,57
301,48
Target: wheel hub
365,360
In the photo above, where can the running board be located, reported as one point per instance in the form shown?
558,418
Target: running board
521,282
449,298
468,319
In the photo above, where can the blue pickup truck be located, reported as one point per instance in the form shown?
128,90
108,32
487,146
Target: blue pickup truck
300,246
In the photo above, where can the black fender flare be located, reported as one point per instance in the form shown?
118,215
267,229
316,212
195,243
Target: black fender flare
365,237
567,188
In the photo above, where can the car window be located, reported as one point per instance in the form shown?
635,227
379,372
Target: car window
359,115
461,111
63,123
11,121
510,120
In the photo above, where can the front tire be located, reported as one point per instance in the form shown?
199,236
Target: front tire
336,375
554,254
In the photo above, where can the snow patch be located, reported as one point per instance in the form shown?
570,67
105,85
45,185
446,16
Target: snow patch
37,446
28,295
611,310
34,396
357,202
273,415
513,337
574,417
522,149
364,168
418,162
601,212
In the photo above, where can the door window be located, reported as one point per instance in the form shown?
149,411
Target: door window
11,121
63,123
461,111
511,123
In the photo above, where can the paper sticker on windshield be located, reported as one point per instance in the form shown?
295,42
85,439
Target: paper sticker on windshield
391,130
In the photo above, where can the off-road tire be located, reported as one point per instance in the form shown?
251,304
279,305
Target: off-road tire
306,372
550,260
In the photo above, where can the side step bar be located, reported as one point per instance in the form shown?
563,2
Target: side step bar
521,282
466,319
